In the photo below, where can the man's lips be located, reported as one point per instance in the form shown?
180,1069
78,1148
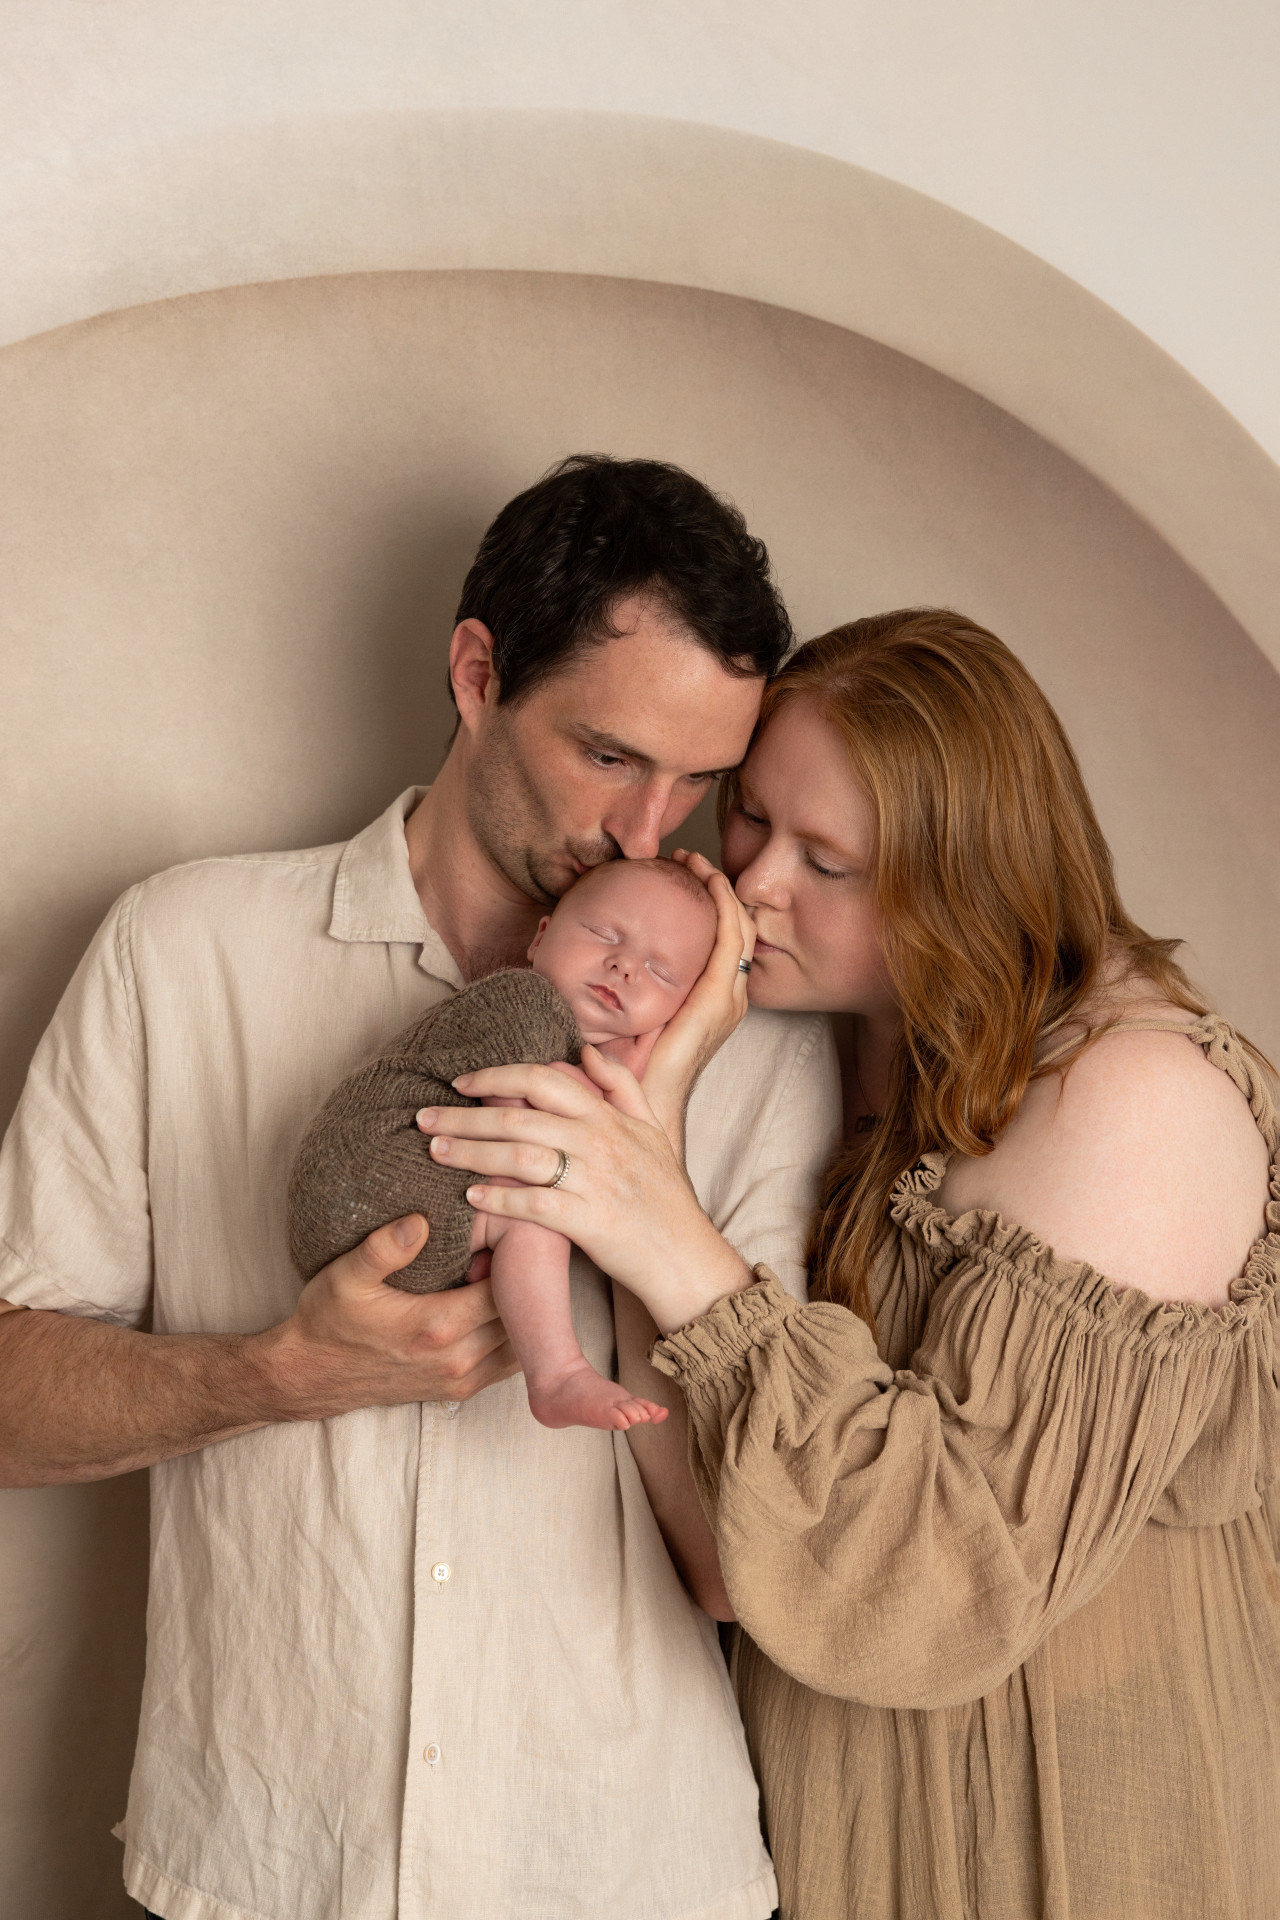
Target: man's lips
606,996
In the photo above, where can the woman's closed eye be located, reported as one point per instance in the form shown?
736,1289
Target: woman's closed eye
826,873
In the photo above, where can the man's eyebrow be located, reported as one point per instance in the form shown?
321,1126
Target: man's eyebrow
609,743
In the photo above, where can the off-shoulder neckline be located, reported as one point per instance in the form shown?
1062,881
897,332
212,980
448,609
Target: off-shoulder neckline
985,1235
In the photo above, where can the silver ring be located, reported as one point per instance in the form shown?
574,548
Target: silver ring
744,966
561,1170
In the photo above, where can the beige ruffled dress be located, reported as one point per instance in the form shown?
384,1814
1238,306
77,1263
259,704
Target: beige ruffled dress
1009,1598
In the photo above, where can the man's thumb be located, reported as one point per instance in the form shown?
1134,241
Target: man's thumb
393,1246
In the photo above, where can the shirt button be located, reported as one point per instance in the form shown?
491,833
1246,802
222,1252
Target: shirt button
440,1572
431,1754
451,1406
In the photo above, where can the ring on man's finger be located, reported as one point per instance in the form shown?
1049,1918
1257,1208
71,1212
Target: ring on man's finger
560,1171
744,966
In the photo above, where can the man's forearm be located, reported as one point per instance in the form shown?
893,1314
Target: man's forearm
81,1401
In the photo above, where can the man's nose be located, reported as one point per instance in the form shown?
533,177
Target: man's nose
637,820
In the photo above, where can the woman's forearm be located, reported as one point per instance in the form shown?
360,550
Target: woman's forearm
661,1453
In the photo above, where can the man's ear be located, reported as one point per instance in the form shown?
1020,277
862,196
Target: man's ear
471,674
536,942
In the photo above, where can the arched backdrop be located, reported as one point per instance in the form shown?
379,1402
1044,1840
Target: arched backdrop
257,407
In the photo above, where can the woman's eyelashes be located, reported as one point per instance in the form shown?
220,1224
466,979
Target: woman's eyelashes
826,873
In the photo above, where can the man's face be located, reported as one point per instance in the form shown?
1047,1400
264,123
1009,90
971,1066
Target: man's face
605,757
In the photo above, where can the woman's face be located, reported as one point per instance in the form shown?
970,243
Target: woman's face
800,848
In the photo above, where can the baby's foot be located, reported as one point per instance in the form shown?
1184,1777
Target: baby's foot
581,1397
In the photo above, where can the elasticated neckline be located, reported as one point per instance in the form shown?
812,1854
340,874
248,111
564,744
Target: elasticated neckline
986,1239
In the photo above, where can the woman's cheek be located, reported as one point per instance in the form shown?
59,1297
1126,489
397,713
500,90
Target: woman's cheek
735,849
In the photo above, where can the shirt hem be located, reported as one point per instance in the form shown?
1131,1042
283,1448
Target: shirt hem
757,1900
173,1899
145,1882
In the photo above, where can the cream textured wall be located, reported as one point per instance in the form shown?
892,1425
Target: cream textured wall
235,526
1135,148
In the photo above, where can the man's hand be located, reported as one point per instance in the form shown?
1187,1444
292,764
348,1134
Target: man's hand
82,1401
352,1341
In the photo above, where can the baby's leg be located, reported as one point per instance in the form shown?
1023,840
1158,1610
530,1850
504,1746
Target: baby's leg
530,1280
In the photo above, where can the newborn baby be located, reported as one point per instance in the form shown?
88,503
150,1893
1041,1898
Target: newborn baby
611,965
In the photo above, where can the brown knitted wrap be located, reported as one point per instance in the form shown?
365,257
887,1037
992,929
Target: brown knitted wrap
363,1161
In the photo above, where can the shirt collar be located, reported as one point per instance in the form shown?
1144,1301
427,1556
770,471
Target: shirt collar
374,897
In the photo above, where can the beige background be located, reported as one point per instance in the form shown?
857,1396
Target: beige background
234,530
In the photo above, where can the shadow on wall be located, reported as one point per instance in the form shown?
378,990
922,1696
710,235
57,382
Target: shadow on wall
73,1586
238,525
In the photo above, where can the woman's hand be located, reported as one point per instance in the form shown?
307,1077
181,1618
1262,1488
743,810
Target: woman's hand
625,1199
716,1004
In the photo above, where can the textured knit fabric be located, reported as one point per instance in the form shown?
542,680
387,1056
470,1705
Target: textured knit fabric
364,1161
1009,1595
413,1663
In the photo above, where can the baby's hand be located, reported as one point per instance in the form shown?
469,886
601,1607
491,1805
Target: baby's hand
561,1066
633,1054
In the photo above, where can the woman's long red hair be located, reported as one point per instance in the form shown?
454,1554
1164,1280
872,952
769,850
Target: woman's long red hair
996,892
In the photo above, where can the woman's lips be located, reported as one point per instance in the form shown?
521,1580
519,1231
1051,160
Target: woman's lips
763,947
606,996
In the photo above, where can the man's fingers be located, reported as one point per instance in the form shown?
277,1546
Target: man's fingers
456,1313
495,1366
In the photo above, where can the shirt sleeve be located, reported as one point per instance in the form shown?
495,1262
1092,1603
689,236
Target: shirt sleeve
907,1539
763,1123
75,1220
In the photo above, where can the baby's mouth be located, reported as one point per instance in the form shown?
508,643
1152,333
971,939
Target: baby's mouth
606,996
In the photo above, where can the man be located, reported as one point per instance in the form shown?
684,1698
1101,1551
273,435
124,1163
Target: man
409,1653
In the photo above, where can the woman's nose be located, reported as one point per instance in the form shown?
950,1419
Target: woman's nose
761,884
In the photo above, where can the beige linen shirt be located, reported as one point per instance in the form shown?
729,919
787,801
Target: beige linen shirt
426,1661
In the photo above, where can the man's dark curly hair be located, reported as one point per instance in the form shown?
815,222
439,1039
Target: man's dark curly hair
560,556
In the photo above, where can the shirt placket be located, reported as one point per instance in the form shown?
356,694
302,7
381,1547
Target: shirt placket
433,1576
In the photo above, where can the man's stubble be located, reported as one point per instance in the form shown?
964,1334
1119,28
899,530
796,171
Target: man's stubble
512,817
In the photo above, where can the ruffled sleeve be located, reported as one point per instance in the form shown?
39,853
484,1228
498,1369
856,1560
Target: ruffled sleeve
906,1539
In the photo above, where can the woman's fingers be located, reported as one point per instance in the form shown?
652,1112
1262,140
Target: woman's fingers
542,1087
545,1206
535,1165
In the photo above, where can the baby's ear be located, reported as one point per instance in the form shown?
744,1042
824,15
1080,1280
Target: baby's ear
536,942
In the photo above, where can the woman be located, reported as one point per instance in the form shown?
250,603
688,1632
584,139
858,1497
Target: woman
996,1511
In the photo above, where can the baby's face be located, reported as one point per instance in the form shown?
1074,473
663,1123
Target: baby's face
624,947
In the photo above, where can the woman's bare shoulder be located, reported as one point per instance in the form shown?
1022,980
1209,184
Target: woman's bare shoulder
1141,1159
